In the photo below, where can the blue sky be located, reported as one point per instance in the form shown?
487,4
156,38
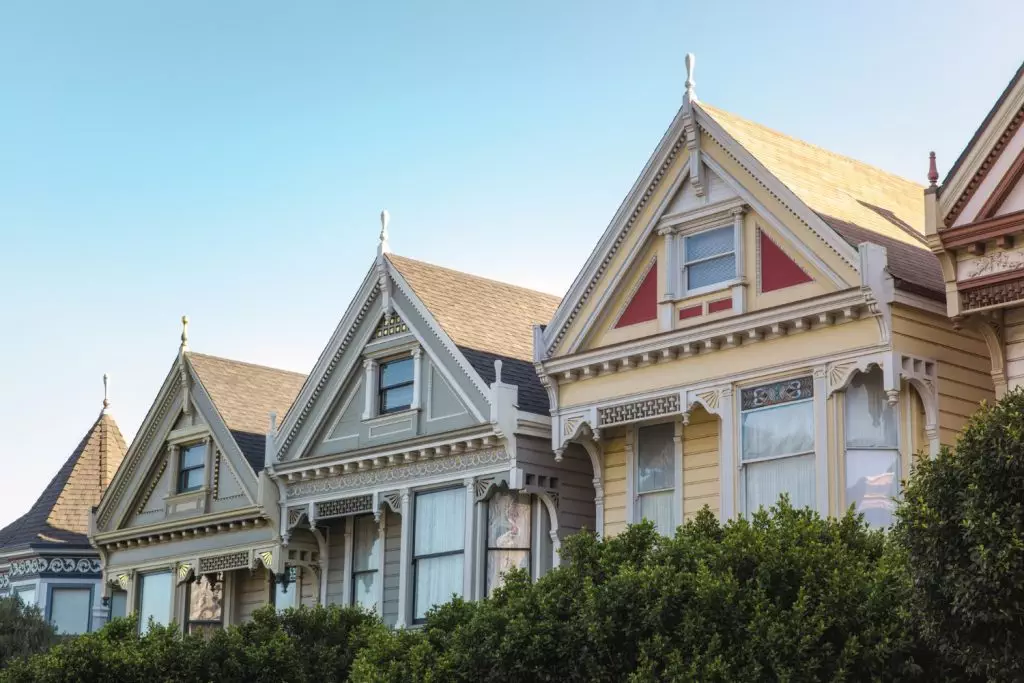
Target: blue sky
229,159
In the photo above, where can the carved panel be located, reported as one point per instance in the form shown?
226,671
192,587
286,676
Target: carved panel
295,515
777,393
5,582
389,326
223,563
35,566
344,506
638,410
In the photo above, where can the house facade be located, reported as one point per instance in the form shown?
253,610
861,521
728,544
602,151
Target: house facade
975,226
760,317
188,527
416,461
45,556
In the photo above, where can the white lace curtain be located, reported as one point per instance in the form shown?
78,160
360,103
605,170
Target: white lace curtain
508,535
780,442
656,475
365,554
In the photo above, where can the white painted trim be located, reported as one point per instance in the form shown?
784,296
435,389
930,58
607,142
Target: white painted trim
349,549
346,403
820,400
405,561
631,497
469,534
678,505
382,536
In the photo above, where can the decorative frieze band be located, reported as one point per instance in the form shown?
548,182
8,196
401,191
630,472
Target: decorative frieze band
775,393
5,582
34,566
638,410
342,507
223,563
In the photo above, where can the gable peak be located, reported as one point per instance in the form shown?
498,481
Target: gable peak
383,247
690,95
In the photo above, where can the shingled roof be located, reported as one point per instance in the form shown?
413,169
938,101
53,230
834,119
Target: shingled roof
60,516
244,395
860,202
487,320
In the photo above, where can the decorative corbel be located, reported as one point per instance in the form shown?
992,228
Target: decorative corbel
878,287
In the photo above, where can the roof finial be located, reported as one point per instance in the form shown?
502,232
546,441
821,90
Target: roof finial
184,333
933,172
691,94
382,247
106,393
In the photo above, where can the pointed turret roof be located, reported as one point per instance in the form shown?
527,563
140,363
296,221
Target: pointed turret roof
60,516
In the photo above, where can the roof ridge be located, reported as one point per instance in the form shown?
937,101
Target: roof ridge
712,110
463,273
246,363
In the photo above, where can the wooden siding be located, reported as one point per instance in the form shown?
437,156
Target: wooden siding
1014,338
964,367
614,483
252,591
575,476
392,564
336,562
307,588
700,463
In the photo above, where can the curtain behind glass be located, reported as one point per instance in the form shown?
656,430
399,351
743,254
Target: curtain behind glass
783,430
870,420
871,484
767,480
655,458
657,507
508,535
440,521
365,543
70,609
205,603
155,600
437,579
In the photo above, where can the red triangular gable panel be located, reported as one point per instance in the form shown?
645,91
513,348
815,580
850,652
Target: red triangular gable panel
644,304
778,271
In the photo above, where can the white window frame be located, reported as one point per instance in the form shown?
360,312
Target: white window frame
375,569
677,474
897,417
372,360
82,587
467,556
488,548
816,400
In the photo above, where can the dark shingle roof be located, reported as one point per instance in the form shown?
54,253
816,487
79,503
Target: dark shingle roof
60,516
487,320
244,395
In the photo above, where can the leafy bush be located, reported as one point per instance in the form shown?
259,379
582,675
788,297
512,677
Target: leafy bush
785,596
962,524
23,631
299,645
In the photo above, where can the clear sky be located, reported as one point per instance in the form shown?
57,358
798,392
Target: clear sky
229,159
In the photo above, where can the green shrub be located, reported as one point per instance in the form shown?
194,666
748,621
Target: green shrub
23,631
962,524
782,597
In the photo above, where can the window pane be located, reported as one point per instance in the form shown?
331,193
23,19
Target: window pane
193,456
871,484
192,479
155,599
206,598
365,542
118,604
396,399
365,590
440,521
709,243
768,480
711,272
782,430
870,420
70,609
655,458
508,521
395,372
27,595
501,561
287,596
437,579
657,507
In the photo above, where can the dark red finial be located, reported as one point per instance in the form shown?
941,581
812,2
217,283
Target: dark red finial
933,172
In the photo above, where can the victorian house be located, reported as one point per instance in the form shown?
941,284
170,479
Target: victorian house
416,462
760,317
188,527
45,556
974,221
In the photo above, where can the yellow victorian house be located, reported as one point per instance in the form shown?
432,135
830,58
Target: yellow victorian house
760,317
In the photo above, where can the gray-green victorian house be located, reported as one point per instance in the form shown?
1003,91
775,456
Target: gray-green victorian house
45,555
416,461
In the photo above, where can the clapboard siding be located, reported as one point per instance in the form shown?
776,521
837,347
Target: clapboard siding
1014,338
700,463
575,476
336,562
307,589
252,591
392,563
615,483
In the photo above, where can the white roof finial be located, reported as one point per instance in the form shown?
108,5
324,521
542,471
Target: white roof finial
383,247
184,333
106,393
691,94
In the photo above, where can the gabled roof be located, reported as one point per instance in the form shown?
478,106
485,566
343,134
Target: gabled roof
60,516
487,320
244,395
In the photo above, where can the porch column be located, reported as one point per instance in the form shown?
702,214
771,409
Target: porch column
381,545
470,552
728,459
631,496
405,559
346,563
417,383
821,439
370,388
479,568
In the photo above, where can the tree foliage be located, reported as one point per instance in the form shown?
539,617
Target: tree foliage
962,524
23,631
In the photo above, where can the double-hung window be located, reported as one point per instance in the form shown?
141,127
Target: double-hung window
872,449
778,443
205,604
656,475
438,548
709,258
154,599
70,609
508,536
191,466
395,386
365,560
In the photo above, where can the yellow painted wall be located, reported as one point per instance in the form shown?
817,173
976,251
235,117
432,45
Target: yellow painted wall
614,482
963,364
700,463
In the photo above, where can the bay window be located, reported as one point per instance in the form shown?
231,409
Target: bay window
205,604
709,258
872,449
509,531
70,609
655,476
155,591
438,548
777,453
365,561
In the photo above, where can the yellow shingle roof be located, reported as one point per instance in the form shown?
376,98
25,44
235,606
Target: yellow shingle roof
830,183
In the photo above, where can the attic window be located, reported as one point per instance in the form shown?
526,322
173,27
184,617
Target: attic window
192,464
709,258
395,389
